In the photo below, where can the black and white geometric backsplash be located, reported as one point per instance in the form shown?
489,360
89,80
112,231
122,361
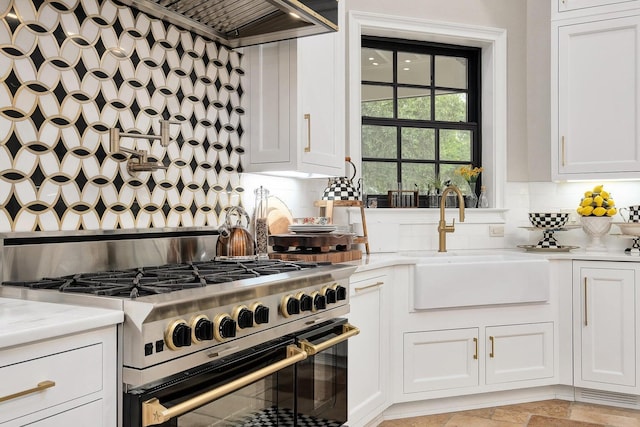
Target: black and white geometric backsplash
73,69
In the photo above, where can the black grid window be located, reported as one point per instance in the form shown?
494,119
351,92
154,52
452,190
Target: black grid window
420,113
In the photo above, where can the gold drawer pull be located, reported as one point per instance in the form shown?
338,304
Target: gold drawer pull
493,347
475,355
40,387
362,288
586,304
307,117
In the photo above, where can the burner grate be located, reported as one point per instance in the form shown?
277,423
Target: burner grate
161,279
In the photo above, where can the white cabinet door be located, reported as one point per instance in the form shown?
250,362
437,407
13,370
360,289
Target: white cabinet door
296,107
438,360
270,95
369,350
595,122
604,326
519,352
321,83
562,9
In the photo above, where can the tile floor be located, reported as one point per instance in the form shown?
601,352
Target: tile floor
548,413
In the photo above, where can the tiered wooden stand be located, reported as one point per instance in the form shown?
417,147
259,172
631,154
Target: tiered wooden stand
332,247
326,209
314,247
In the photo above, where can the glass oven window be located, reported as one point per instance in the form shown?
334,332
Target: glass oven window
268,402
322,382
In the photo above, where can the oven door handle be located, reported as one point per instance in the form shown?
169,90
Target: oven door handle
154,413
348,331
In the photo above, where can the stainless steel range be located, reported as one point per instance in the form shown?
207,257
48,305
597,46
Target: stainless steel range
199,331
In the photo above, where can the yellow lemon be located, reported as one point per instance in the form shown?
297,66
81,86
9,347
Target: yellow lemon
599,211
604,194
598,200
597,188
588,193
586,201
579,210
586,210
610,203
612,211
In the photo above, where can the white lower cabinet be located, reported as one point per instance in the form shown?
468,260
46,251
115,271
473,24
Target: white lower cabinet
369,350
69,381
606,326
475,357
437,360
519,352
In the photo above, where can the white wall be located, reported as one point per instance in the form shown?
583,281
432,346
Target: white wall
528,173
508,14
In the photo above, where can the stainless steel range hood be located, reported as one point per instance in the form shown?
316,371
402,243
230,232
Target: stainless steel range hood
237,23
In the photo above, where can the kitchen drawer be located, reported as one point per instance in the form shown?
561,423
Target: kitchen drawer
76,373
90,413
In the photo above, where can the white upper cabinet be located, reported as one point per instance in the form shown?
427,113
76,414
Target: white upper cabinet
596,97
562,9
296,107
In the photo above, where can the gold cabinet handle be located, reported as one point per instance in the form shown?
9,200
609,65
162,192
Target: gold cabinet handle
586,304
348,331
363,288
475,355
563,158
40,387
493,347
307,117
154,413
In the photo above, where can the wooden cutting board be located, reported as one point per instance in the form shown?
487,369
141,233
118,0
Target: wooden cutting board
332,256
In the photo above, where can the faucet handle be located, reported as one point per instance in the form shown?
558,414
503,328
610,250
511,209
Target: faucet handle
164,131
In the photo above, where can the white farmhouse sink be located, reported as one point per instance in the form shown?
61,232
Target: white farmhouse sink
455,280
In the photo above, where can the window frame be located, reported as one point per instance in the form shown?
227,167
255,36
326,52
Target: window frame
473,55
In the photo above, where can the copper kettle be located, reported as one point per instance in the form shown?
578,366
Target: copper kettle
234,239
342,188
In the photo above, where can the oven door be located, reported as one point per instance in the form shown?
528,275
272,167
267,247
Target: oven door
251,388
322,376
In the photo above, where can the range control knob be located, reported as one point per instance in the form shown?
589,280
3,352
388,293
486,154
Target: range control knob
177,335
330,294
319,301
260,313
306,302
201,329
341,292
224,327
289,306
243,317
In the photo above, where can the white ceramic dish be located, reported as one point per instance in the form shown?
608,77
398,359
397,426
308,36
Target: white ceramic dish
311,228
629,228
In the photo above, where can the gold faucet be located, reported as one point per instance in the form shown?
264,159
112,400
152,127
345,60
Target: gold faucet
443,228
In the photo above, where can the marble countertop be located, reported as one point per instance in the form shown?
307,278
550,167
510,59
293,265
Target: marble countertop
389,259
23,322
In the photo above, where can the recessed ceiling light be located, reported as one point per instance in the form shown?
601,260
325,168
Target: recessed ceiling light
374,63
407,60
406,68
371,58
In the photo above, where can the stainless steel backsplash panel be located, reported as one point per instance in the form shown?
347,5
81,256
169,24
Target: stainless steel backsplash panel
32,256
